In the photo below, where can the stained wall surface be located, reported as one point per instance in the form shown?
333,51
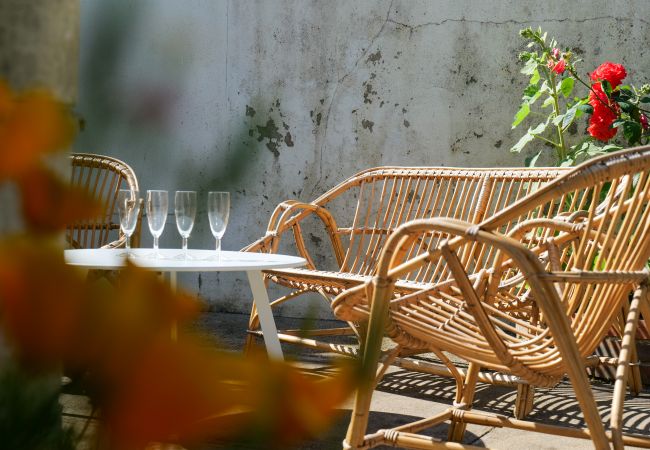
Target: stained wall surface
278,99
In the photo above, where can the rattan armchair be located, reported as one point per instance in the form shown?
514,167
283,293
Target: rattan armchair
102,177
529,292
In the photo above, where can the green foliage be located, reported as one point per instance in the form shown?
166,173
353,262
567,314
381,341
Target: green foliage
553,78
566,86
556,86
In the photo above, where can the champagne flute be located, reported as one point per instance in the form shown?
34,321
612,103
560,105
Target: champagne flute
185,211
218,212
157,206
128,207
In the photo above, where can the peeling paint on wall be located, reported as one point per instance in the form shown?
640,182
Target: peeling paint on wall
270,133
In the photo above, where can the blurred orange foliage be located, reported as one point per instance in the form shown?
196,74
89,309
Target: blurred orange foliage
147,387
32,123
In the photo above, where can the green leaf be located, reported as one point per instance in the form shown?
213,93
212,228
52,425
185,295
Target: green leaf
566,86
557,120
530,67
547,102
623,95
535,78
607,87
545,87
625,106
645,100
539,129
590,149
531,160
618,123
521,114
611,148
586,108
530,90
632,132
534,98
525,139
570,116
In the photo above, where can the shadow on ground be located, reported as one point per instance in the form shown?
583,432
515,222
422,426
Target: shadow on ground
405,396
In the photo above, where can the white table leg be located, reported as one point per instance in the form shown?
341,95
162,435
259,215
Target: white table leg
261,299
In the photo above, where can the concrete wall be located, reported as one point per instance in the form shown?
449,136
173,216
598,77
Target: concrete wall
39,47
276,99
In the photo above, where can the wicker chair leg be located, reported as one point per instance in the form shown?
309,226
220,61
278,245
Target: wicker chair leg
250,343
634,382
627,344
457,429
524,401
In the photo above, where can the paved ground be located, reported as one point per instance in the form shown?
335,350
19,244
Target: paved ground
403,396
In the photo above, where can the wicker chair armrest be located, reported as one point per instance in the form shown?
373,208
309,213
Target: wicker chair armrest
591,277
287,216
390,270
120,242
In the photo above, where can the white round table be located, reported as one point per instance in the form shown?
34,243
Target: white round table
172,261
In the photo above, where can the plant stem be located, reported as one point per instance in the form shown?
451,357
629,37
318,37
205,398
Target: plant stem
554,144
561,147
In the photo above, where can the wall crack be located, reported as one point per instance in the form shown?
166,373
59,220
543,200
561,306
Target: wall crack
364,54
413,28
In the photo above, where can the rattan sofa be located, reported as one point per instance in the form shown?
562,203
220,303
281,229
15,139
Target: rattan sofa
359,214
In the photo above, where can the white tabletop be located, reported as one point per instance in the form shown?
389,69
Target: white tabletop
171,260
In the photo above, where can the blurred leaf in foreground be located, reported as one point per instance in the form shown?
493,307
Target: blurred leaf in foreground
116,335
32,123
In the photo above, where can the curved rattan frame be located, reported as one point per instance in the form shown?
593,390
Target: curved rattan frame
101,176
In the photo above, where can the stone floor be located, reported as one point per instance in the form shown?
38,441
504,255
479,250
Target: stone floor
403,396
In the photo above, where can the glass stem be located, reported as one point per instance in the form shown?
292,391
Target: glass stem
185,247
218,248
155,242
128,242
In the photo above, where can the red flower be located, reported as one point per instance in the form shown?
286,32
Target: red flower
605,113
558,67
600,123
644,121
598,99
555,62
605,110
614,73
